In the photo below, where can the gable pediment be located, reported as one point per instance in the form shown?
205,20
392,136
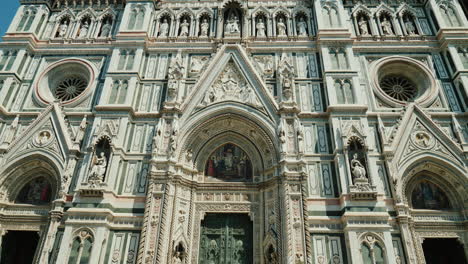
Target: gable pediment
230,77
48,133
419,134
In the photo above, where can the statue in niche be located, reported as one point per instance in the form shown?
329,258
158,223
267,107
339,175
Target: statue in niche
386,26
179,254
229,162
44,138
36,191
281,27
63,28
302,27
84,29
300,136
232,26
363,26
427,195
204,27
357,169
271,257
184,28
409,25
261,29
164,28
282,137
106,29
98,170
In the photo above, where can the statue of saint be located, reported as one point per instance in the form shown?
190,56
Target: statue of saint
106,29
386,27
184,28
281,28
302,27
99,167
164,28
410,29
363,27
260,28
84,29
204,28
357,169
232,25
63,29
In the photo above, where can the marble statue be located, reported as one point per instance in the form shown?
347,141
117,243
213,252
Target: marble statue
204,28
302,27
261,32
106,29
232,26
84,29
184,28
164,28
357,169
281,28
410,29
363,27
63,29
386,27
99,167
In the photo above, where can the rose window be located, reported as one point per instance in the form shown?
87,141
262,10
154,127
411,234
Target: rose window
70,88
399,88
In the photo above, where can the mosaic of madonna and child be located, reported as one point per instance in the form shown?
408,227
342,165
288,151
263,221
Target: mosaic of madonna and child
230,163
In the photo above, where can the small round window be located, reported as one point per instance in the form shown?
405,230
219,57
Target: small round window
66,81
70,87
399,87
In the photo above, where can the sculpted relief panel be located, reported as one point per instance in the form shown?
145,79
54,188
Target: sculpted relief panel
231,86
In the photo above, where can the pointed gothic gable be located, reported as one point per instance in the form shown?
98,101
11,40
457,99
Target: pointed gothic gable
230,77
49,133
417,135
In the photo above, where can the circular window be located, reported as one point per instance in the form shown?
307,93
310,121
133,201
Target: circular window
399,80
66,81
70,88
399,88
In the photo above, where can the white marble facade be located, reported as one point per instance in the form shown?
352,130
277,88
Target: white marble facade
340,125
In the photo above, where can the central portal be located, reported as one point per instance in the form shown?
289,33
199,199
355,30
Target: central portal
226,239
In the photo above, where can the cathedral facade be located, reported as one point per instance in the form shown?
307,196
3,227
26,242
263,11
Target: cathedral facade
234,132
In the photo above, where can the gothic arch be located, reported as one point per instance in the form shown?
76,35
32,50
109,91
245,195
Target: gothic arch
442,171
25,169
261,11
204,12
208,131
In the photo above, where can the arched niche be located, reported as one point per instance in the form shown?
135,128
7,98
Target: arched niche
229,163
34,176
439,173
429,191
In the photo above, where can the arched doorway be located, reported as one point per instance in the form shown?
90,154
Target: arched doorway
434,197
30,185
443,251
19,247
